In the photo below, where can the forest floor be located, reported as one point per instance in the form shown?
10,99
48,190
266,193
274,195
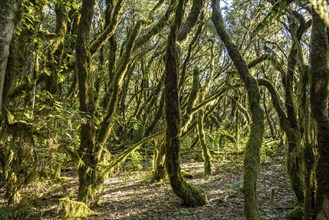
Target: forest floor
130,195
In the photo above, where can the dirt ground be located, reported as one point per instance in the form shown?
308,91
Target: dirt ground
130,195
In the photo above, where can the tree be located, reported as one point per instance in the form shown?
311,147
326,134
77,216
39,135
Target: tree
252,152
191,195
319,103
7,25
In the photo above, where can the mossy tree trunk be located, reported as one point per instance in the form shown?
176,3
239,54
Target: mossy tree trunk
7,26
192,99
87,105
293,132
205,150
289,120
319,104
191,20
252,151
159,171
191,195
55,55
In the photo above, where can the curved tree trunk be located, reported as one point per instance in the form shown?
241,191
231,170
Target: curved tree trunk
319,104
252,152
293,132
191,195
7,26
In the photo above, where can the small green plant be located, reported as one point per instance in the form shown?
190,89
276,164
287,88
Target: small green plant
184,211
9,212
235,187
134,161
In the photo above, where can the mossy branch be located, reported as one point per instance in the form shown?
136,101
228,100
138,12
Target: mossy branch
98,42
191,20
192,98
154,30
243,110
123,155
218,94
105,128
284,123
258,60
276,11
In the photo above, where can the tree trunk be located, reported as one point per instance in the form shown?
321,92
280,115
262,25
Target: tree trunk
191,195
294,154
159,171
319,104
56,51
252,151
87,106
205,150
7,26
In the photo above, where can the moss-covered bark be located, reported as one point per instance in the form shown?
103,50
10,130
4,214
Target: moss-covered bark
191,46
193,97
109,31
55,53
289,120
159,171
105,126
205,150
191,195
252,151
87,105
155,29
191,20
295,154
319,103
7,26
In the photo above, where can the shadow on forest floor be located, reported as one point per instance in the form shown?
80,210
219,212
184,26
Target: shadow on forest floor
130,196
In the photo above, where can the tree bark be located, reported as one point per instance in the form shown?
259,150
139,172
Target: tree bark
191,195
205,150
252,151
319,104
7,27
87,105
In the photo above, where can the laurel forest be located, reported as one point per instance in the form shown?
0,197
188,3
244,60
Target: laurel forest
164,109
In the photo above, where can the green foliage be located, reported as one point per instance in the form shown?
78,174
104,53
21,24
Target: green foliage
235,187
270,149
184,211
6,212
134,161
9,212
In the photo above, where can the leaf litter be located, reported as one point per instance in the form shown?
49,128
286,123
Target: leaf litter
130,195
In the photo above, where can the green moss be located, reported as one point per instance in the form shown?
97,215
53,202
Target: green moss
296,214
74,209
159,171
186,174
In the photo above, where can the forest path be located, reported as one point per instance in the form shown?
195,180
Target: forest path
129,195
